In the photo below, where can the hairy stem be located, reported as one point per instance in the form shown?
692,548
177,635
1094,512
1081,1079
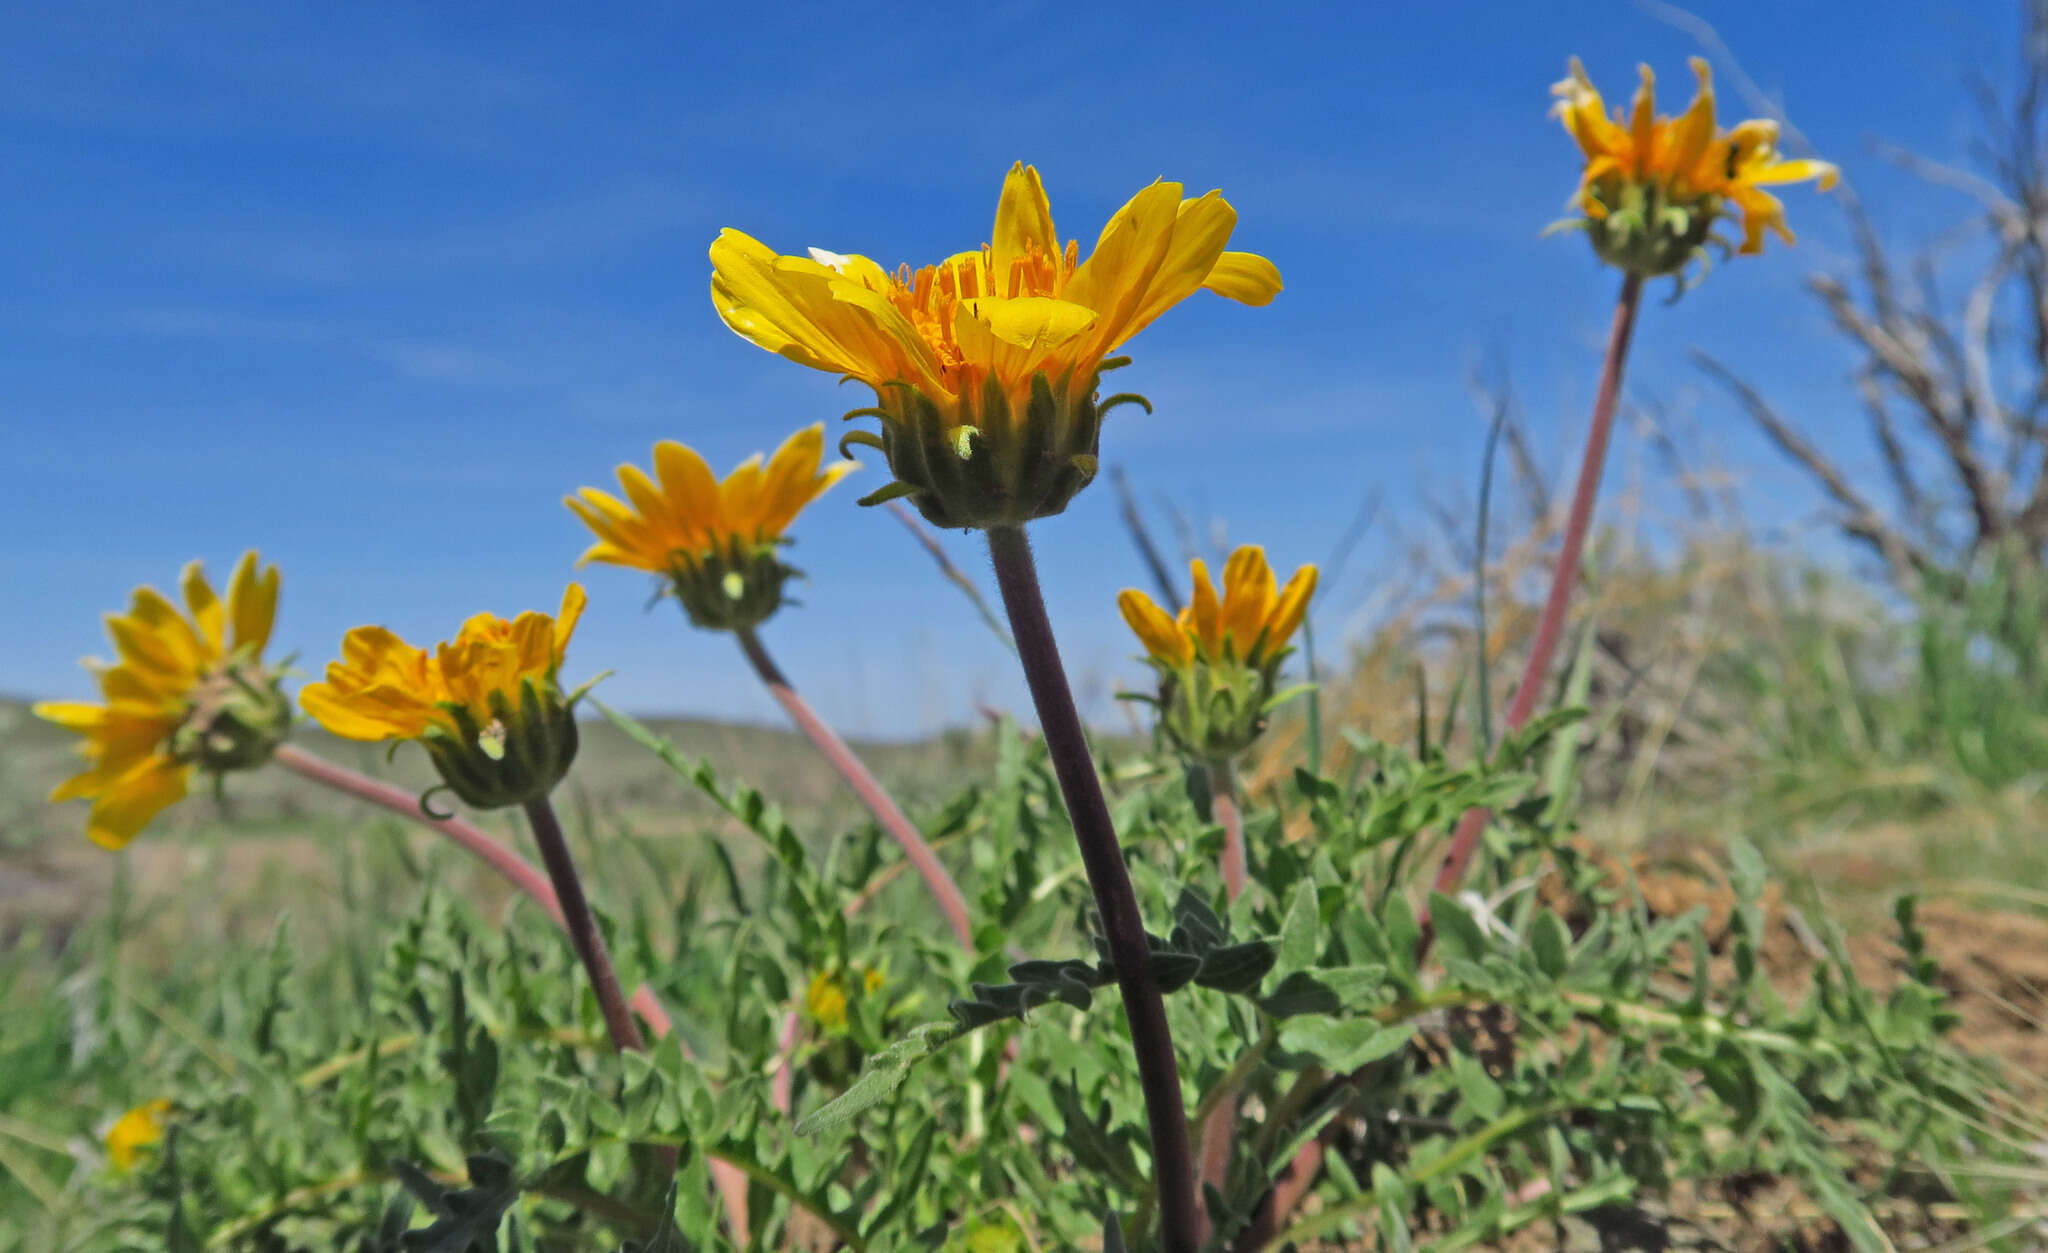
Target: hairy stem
582,928
1122,925
1550,627
864,785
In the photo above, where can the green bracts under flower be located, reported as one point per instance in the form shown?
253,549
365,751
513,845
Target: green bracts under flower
991,465
519,756
731,587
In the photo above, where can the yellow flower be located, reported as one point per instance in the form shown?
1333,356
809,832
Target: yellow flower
189,692
1219,660
488,706
826,998
985,366
1251,623
826,1001
1653,186
138,1129
715,542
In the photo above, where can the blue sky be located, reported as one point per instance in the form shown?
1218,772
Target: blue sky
370,287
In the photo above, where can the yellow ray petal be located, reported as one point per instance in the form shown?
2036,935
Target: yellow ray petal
1159,633
573,600
1203,615
1023,224
252,602
1244,277
1795,171
687,481
1291,608
1201,227
127,805
1114,278
1248,592
206,610
779,310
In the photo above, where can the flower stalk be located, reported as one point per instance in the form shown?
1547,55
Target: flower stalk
1550,627
864,784
582,926
1122,925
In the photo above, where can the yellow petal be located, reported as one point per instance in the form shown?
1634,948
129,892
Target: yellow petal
792,480
780,310
252,602
1642,129
1248,592
1023,224
1694,131
153,613
205,606
687,481
1203,614
573,600
1797,171
1201,228
71,715
1114,278
647,499
1033,323
145,650
739,497
1244,277
1291,608
371,714
128,804
1160,634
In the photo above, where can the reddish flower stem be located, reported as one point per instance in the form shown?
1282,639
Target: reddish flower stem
1223,807
864,785
1123,926
1550,627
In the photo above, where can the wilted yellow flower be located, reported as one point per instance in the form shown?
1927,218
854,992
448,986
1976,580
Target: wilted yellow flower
138,1129
489,706
1654,186
189,692
985,366
715,542
1219,660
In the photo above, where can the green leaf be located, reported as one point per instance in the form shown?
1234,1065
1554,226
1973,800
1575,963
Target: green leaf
1173,971
1237,969
1301,931
882,1075
1551,944
1329,991
1344,1044
1457,934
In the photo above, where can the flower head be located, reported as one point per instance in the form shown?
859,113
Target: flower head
188,693
1653,186
139,1129
826,999
1219,660
985,365
714,542
488,706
